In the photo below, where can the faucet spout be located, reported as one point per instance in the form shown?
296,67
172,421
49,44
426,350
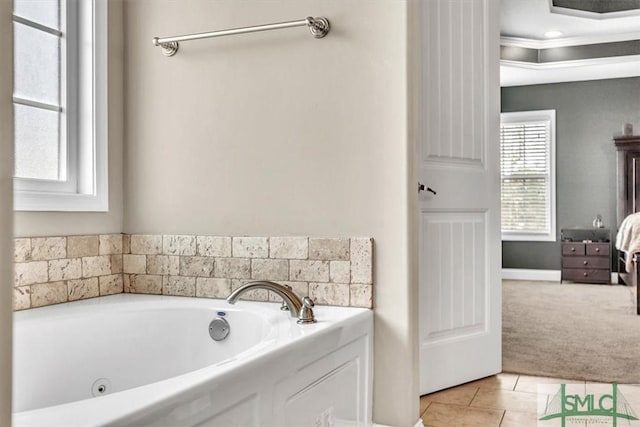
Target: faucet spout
290,299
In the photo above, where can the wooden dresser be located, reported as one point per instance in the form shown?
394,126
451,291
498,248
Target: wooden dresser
586,262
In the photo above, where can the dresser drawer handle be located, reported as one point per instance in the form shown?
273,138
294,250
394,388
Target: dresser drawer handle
585,262
585,274
573,249
597,249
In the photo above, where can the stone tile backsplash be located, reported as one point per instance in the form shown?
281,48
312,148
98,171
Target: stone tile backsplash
51,270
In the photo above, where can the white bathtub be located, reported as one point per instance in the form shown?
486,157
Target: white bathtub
150,360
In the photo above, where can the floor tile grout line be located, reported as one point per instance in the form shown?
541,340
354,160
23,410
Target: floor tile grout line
516,383
504,414
474,396
425,409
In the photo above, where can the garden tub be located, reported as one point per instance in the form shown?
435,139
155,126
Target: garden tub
151,360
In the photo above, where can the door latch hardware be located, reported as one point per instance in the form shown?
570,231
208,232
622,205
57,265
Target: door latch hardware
421,188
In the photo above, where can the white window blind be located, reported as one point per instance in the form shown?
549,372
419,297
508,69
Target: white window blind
527,175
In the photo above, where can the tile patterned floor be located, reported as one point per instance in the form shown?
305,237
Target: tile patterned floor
503,400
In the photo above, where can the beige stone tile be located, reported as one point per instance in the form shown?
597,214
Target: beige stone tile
441,415
329,293
289,247
630,391
134,264
308,271
448,415
299,288
46,248
82,246
213,288
48,293
179,245
519,419
126,283
126,243
65,269
461,395
250,247
116,264
83,288
232,268
362,260
505,399
96,266
110,244
214,246
196,266
532,384
270,269
28,273
340,271
502,380
163,264
481,417
146,244
112,284
361,295
21,250
336,249
179,285
145,284
21,298
252,295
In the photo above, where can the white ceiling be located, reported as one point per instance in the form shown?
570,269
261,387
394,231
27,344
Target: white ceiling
524,22
530,19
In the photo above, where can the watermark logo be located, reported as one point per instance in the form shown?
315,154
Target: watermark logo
585,405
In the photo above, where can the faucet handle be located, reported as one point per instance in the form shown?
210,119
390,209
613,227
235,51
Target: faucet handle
284,306
306,312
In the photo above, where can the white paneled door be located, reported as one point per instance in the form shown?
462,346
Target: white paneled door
460,254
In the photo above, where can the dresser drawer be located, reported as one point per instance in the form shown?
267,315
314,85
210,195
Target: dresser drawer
585,262
596,249
586,275
573,249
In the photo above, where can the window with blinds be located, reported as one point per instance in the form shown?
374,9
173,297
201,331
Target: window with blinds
527,175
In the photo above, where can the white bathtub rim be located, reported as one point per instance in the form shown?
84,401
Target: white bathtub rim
111,408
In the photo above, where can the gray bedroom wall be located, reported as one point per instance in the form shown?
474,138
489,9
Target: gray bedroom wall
588,114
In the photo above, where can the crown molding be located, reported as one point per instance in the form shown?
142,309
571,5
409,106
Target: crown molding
612,60
514,73
568,41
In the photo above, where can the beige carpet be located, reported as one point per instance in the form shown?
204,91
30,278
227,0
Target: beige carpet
573,331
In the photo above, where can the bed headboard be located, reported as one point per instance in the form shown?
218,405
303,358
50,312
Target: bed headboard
628,172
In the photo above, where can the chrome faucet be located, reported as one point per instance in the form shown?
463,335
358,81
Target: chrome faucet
303,310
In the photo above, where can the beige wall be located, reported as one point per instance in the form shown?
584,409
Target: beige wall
280,133
70,223
6,215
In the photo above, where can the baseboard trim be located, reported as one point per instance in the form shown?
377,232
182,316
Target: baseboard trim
539,275
526,274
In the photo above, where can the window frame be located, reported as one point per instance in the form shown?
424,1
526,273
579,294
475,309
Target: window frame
84,118
530,117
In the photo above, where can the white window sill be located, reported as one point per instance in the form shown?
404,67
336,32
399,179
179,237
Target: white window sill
60,202
528,237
